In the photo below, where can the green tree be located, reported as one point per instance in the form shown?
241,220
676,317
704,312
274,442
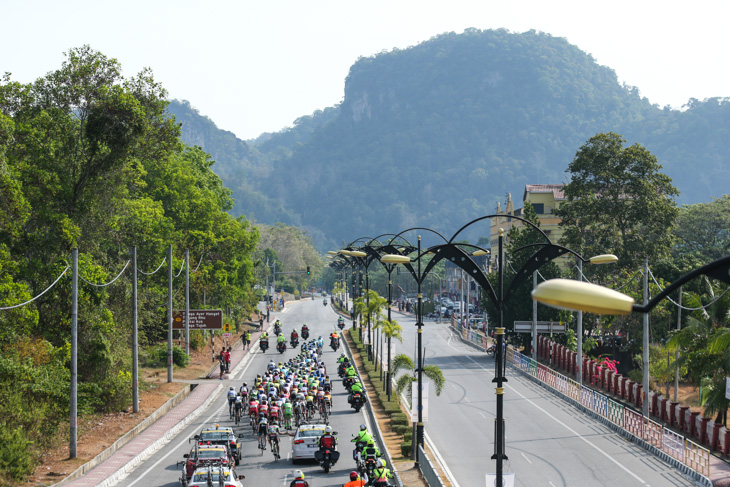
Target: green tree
618,201
403,382
703,230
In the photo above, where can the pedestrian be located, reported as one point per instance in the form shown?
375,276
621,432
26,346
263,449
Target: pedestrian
248,339
222,365
261,323
228,360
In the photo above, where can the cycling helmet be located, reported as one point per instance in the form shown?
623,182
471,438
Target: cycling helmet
231,388
363,427
328,430
261,415
354,475
381,463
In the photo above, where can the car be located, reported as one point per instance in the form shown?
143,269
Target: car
221,435
306,441
215,473
206,455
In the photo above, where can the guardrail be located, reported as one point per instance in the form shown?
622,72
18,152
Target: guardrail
429,472
665,440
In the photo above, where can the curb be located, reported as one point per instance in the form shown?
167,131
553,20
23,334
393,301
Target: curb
86,467
374,421
154,447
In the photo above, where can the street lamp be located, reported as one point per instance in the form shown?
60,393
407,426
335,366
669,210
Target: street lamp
584,296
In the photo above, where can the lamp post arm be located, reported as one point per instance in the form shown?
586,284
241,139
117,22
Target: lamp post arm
502,216
718,269
547,253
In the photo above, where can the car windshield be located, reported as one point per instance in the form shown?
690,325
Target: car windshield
309,433
214,435
210,453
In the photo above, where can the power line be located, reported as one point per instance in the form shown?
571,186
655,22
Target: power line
110,282
153,272
41,294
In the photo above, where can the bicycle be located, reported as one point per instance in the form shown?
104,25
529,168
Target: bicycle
262,444
323,411
253,423
275,449
238,415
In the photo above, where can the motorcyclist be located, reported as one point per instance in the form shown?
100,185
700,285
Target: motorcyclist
294,336
362,437
355,389
327,440
381,474
298,480
280,339
355,480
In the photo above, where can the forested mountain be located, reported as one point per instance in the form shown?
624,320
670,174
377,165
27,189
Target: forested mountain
436,134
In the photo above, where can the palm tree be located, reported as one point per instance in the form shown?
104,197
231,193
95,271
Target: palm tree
367,307
391,329
433,372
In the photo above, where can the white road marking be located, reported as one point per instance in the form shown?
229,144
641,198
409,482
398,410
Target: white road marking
219,411
564,425
483,416
525,457
552,484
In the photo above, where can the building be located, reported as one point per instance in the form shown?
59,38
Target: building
544,198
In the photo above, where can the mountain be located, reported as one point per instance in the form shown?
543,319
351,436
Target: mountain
436,134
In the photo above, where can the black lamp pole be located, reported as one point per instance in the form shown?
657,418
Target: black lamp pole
419,324
499,377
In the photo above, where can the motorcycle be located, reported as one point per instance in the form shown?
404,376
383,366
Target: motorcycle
368,467
305,334
335,344
264,345
327,458
341,369
341,325
294,342
324,303
348,382
277,330
281,347
357,401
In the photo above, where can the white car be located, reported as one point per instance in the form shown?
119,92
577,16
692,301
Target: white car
216,474
306,441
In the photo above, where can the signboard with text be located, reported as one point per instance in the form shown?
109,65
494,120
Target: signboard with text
542,327
200,319
727,388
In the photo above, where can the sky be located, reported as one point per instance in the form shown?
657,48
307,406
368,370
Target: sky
257,66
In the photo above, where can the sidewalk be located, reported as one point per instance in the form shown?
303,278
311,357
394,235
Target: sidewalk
154,437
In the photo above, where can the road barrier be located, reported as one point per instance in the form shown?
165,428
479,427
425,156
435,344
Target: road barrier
632,422
429,472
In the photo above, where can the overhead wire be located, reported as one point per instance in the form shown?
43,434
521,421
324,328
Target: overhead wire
41,294
153,272
110,282
703,307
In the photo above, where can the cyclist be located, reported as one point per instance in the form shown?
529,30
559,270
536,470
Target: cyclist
273,433
262,430
288,411
231,400
239,406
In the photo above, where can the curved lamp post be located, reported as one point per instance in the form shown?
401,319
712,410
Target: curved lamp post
584,296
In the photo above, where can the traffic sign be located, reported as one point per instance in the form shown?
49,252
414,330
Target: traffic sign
200,319
227,328
227,335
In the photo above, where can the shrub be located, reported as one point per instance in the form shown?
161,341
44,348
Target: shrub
197,339
157,356
391,407
408,434
405,448
400,418
16,457
401,429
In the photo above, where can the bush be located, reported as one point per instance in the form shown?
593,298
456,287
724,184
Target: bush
391,407
157,356
405,449
401,429
408,434
400,417
197,339
16,457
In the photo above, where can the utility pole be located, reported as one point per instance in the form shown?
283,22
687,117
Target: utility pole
73,431
169,313
187,301
135,338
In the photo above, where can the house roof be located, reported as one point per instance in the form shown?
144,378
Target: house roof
555,189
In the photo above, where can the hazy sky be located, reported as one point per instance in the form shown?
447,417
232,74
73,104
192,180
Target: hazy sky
256,66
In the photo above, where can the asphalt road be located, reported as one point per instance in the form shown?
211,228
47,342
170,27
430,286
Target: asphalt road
161,469
548,442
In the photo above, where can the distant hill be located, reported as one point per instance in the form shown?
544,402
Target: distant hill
436,134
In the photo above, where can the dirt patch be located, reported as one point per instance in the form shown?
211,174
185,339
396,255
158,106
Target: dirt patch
97,433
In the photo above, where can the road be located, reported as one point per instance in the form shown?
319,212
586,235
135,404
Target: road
161,469
548,442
